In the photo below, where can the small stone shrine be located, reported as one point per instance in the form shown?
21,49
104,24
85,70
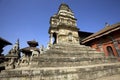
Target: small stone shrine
65,59
12,57
29,52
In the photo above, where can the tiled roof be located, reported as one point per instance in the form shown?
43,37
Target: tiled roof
5,41
105,31
33,42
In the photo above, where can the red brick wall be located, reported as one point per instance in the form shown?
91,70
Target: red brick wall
107,41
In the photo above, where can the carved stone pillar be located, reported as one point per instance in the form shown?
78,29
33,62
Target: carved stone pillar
51,40
56,38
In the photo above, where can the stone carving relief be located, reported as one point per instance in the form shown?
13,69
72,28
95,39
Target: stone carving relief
13,56
41,49
24,59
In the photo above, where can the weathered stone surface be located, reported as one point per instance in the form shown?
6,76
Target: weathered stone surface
63,73
61,62
112,77
63,56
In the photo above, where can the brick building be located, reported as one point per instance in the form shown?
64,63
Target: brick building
106,40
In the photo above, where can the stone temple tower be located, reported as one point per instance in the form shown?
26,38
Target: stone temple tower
63,27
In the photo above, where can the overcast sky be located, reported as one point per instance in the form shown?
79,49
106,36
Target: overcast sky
29,19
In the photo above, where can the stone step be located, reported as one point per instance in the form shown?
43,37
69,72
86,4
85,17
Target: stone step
57,53
69,61
74,50
90,72
71,46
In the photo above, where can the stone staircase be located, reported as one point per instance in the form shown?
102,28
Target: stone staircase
66,62
69,55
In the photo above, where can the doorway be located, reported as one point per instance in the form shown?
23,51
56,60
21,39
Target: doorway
110,51
55,38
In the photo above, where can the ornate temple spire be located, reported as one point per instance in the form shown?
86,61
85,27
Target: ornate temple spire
15,50
16,45
65,10
64,16
63,26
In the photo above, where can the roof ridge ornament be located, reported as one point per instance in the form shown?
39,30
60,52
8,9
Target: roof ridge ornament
107,24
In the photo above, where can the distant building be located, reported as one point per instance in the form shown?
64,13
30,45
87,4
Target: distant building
106,40
3,43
